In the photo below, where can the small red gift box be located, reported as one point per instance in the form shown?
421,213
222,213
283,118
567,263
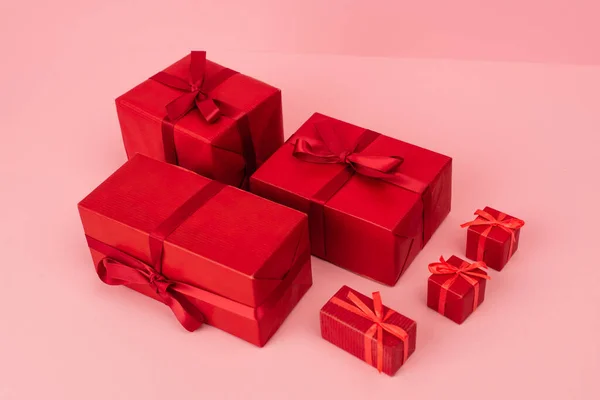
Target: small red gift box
372,201
456,288
493,237
211,252
369,330
203,117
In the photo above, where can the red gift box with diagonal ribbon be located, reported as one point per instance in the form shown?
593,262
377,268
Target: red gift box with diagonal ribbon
372,201
369,330
212,253
204,117
493,237
456,287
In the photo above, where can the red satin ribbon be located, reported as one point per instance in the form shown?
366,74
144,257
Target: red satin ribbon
379,325
197,96
466,271
329,149
120,268
510,225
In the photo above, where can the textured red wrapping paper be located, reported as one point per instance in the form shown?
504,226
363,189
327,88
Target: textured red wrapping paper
497,244
369,226
250,256
216,149
347,330
460,295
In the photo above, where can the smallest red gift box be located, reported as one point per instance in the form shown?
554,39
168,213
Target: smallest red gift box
492,237
369,330
456,288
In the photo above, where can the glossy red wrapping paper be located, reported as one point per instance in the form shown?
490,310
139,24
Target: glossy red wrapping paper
460,296
347,331
217,149
248,256
370,226
496,249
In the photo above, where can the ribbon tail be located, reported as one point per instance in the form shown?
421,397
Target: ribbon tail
476,274
313,151
362,306
381,164
185,312
347,306
406,182
197,66
209,110
378,305
181,106
382,167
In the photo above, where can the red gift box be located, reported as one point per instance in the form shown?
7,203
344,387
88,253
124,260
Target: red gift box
211,252
369,330
203,117
372,201
456,288
493,237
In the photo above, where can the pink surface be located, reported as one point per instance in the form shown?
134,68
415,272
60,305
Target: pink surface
524,139
558,31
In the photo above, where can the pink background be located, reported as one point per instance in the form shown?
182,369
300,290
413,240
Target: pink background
524,139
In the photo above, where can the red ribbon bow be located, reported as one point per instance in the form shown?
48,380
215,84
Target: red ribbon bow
379,325
510,225
330,150
466,271
197,95
172,293
197,91
120,268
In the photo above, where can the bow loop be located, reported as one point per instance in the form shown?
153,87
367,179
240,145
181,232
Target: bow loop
444,268
381,164
120,268
195,96
113,272
503,221
314,151
327,148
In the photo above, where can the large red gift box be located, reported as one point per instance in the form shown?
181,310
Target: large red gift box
456,288
493,237
372,201
211,252
203,117
369,330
